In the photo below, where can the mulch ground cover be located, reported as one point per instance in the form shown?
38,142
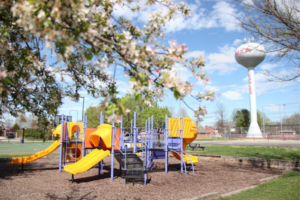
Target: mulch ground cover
41,180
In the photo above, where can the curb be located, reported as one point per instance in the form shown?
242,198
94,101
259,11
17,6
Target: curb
207,196
266,180
238,191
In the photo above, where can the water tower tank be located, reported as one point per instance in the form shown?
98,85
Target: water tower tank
250,54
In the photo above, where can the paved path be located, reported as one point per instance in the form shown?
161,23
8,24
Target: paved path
280,143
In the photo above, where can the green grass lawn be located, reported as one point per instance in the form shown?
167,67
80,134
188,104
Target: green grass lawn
283,153
286,187
11,149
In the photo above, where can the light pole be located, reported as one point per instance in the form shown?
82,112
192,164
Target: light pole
82,107
284,116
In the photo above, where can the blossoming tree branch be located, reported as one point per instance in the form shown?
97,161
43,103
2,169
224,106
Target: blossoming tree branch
86,38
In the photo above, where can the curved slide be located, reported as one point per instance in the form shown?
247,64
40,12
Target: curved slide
189,135
50,149
104,131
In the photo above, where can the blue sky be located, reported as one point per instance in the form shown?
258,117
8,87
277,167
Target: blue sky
211,31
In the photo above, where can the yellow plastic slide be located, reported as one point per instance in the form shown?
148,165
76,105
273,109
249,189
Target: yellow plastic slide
50,149
189,135
104,131
87,162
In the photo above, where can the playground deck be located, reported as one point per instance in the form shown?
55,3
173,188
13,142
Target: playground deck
41,180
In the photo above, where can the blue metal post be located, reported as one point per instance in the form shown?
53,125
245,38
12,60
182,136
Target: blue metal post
61,142
181,144
83,134
121,143
134,133
131,133
166,144
121,140
146,166
66,140
149,131
101,162
112,148
125,162
100,145
152,130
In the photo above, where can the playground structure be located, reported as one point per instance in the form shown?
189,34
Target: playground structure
136,156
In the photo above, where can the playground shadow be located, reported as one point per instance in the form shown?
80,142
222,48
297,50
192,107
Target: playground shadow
7,170
251,168
105,175
171,168
72,195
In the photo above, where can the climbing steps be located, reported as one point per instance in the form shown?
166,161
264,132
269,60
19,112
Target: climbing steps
134,165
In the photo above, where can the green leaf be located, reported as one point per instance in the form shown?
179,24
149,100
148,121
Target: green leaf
88,55
176,93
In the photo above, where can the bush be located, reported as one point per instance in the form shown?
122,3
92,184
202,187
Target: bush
34,133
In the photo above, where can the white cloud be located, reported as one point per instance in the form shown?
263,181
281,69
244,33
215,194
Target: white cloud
195,54
124,11
272,107
262,85
268,66
232,95
221,16
222,62
293,96
123,86
213,88
184,73
224,14
237,42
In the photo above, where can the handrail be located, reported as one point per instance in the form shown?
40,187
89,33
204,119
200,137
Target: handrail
183,162
190,160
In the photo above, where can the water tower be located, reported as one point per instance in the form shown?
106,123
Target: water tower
250,55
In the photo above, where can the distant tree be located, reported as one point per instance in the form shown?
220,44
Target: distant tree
199,127
8,122
172,111
241,118
293,119
93,115
262,118
134,105
276,24
158,114
16,127
182,113
21,118
33,120
220,112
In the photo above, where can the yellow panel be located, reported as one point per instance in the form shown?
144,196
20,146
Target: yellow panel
50,149
103,131
73,127
189,135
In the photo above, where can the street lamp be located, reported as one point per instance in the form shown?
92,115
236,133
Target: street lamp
82,108
284,116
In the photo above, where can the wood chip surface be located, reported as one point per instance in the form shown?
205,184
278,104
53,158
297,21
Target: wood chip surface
41,180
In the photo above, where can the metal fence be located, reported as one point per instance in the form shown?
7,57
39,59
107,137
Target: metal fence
241,133
281,118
